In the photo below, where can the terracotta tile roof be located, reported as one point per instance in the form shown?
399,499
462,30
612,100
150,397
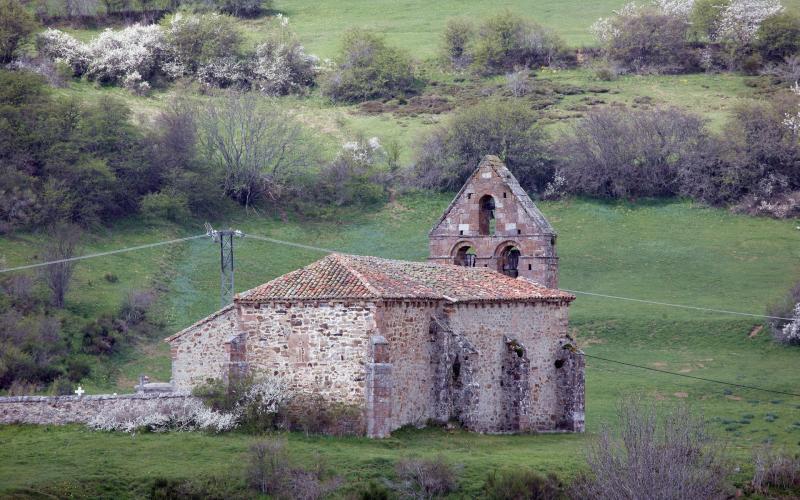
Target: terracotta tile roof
340,276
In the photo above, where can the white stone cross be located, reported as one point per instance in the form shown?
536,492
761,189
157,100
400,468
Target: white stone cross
79,391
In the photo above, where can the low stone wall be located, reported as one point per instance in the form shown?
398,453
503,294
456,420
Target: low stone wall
61,410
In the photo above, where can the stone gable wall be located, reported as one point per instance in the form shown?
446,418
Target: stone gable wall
203,351
537,328
322,347
60,410
406,328
514,226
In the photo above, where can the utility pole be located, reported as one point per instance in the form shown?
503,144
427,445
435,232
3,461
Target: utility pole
225,239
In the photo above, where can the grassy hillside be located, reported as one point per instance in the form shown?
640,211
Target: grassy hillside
673,252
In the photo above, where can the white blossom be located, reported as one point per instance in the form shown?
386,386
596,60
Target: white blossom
160,415
792,121
791,331
741,19
64,48
116,54
675,7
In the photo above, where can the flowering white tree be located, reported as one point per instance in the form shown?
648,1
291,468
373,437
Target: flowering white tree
161,415
740,19
675,7
116,54
791,331
64,48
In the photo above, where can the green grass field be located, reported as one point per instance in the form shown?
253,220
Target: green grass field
662,251
672,252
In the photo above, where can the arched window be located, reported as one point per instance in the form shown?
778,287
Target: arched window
465,256
486,222
508,262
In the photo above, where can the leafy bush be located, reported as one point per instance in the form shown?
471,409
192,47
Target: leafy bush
705,18
356,175
165,206
16,23
647,39
64,48
456,38
778,36
367,69
506,41
420,478
239,8
522,484
620,152
654,456
450,153
198,40
114,55
784,308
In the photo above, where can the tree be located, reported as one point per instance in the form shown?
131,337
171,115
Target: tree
257,146
61,244
613,153
778,37
16,23
449,154
369,69
658,457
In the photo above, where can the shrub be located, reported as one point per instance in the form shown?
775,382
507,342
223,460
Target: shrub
506,41
165,206
419,478
740,20
522,484
160,415
77,370
61,387
705,18
114,55
790,332
102,336
282,67
778,36
313,414
650,457
783,308
367,69
774,469
647,40
355,175
64,48
198,40
271,472
450,153
239,8
619,152
519,82
258,404
456,39
16,23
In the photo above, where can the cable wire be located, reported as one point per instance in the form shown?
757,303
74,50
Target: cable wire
580,292
291,244
100,254
732,384
683,306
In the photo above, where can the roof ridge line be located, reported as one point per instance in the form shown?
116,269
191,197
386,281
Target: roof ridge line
343,261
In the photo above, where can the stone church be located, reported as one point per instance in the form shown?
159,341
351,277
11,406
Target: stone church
478,335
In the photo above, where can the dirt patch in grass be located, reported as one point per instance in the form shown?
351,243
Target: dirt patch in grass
681,395
755,331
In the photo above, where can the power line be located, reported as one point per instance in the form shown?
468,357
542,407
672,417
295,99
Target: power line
722,382
642,301
683,306
100,254
291,244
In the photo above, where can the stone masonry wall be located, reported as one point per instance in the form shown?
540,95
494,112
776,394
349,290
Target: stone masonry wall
406,327
537,329
59,410
322,347
203,350
513,226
